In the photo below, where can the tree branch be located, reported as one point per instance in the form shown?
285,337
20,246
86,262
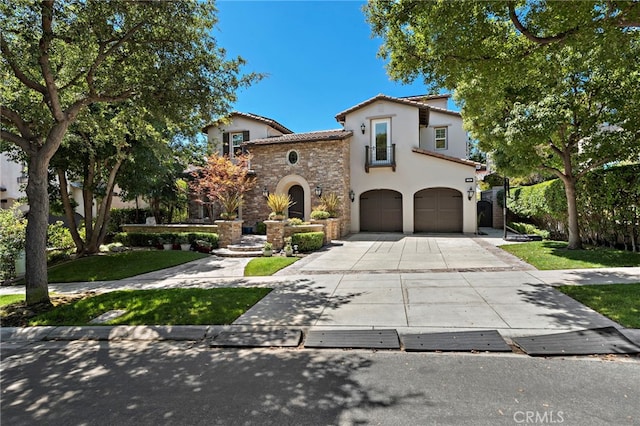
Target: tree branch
17,72
23,128
104,54
43,60
532,37
12,137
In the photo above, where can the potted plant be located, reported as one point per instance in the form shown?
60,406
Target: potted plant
288,249
230,203
203,246
279,204
166,244
267,249
184,242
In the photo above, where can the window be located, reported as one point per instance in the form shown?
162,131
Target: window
441,137
236,141
380,140
292,157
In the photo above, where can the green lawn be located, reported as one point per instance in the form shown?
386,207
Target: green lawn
620,302
264,266
177,306
10,298
545,255
117,266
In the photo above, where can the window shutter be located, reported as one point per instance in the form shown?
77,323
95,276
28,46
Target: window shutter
245,136
225,143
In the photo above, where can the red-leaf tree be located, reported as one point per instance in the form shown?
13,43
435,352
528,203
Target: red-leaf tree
224,181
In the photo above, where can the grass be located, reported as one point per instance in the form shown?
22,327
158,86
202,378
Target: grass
10,298
178,306
620,302
546,255
264,266
118,265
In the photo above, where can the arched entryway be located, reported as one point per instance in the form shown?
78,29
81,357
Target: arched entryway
297,197
381,211
437,210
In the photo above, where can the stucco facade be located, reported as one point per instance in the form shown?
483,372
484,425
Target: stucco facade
386,152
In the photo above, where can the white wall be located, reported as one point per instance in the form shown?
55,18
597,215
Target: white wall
9,173
257,130
414,171
456,136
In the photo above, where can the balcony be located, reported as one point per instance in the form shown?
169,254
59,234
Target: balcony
376,157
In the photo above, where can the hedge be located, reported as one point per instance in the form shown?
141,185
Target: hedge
608,206
308,241
139,239
118,217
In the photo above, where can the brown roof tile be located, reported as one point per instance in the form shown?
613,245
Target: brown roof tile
271,122
324,135
415,101
444,157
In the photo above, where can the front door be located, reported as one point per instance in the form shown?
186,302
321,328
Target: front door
297,196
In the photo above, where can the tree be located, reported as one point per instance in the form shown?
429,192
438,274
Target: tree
224,181
60,56
551,86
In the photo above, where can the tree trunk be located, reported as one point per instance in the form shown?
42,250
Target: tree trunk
37,289
69,213
575,241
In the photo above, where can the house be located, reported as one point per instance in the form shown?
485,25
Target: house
397,165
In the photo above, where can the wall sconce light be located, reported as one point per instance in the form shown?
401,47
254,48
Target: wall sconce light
352,195
470,193
318,191
265,192
362,127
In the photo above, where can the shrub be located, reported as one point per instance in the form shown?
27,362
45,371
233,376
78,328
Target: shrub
118,217
59,236
261,228
13,228
331,203
139,239
279,203
319,215
529,229
308,241
295,221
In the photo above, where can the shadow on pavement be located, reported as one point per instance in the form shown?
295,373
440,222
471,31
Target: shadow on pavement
102,383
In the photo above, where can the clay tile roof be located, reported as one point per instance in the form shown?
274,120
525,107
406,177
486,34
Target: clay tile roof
271,122
444,157
422,98
415,101
324,135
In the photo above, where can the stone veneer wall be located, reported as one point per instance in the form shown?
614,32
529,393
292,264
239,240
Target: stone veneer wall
324,163
157,229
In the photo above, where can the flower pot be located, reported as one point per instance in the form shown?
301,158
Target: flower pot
185,247
167,246
267,253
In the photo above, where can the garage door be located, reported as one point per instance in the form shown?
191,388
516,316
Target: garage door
381,211
438,210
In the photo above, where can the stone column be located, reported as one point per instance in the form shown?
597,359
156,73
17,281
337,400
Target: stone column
275,233
229,232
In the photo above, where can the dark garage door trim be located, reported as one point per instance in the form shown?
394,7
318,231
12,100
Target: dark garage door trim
381,211
437,210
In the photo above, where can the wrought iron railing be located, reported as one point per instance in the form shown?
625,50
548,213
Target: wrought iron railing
375,157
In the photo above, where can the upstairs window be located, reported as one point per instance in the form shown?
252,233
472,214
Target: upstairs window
232,141
441,137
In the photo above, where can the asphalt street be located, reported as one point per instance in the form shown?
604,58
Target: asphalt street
182,383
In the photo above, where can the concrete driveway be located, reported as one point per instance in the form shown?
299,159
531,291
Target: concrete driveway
385,252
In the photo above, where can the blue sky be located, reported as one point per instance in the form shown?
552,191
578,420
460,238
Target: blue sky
319,58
